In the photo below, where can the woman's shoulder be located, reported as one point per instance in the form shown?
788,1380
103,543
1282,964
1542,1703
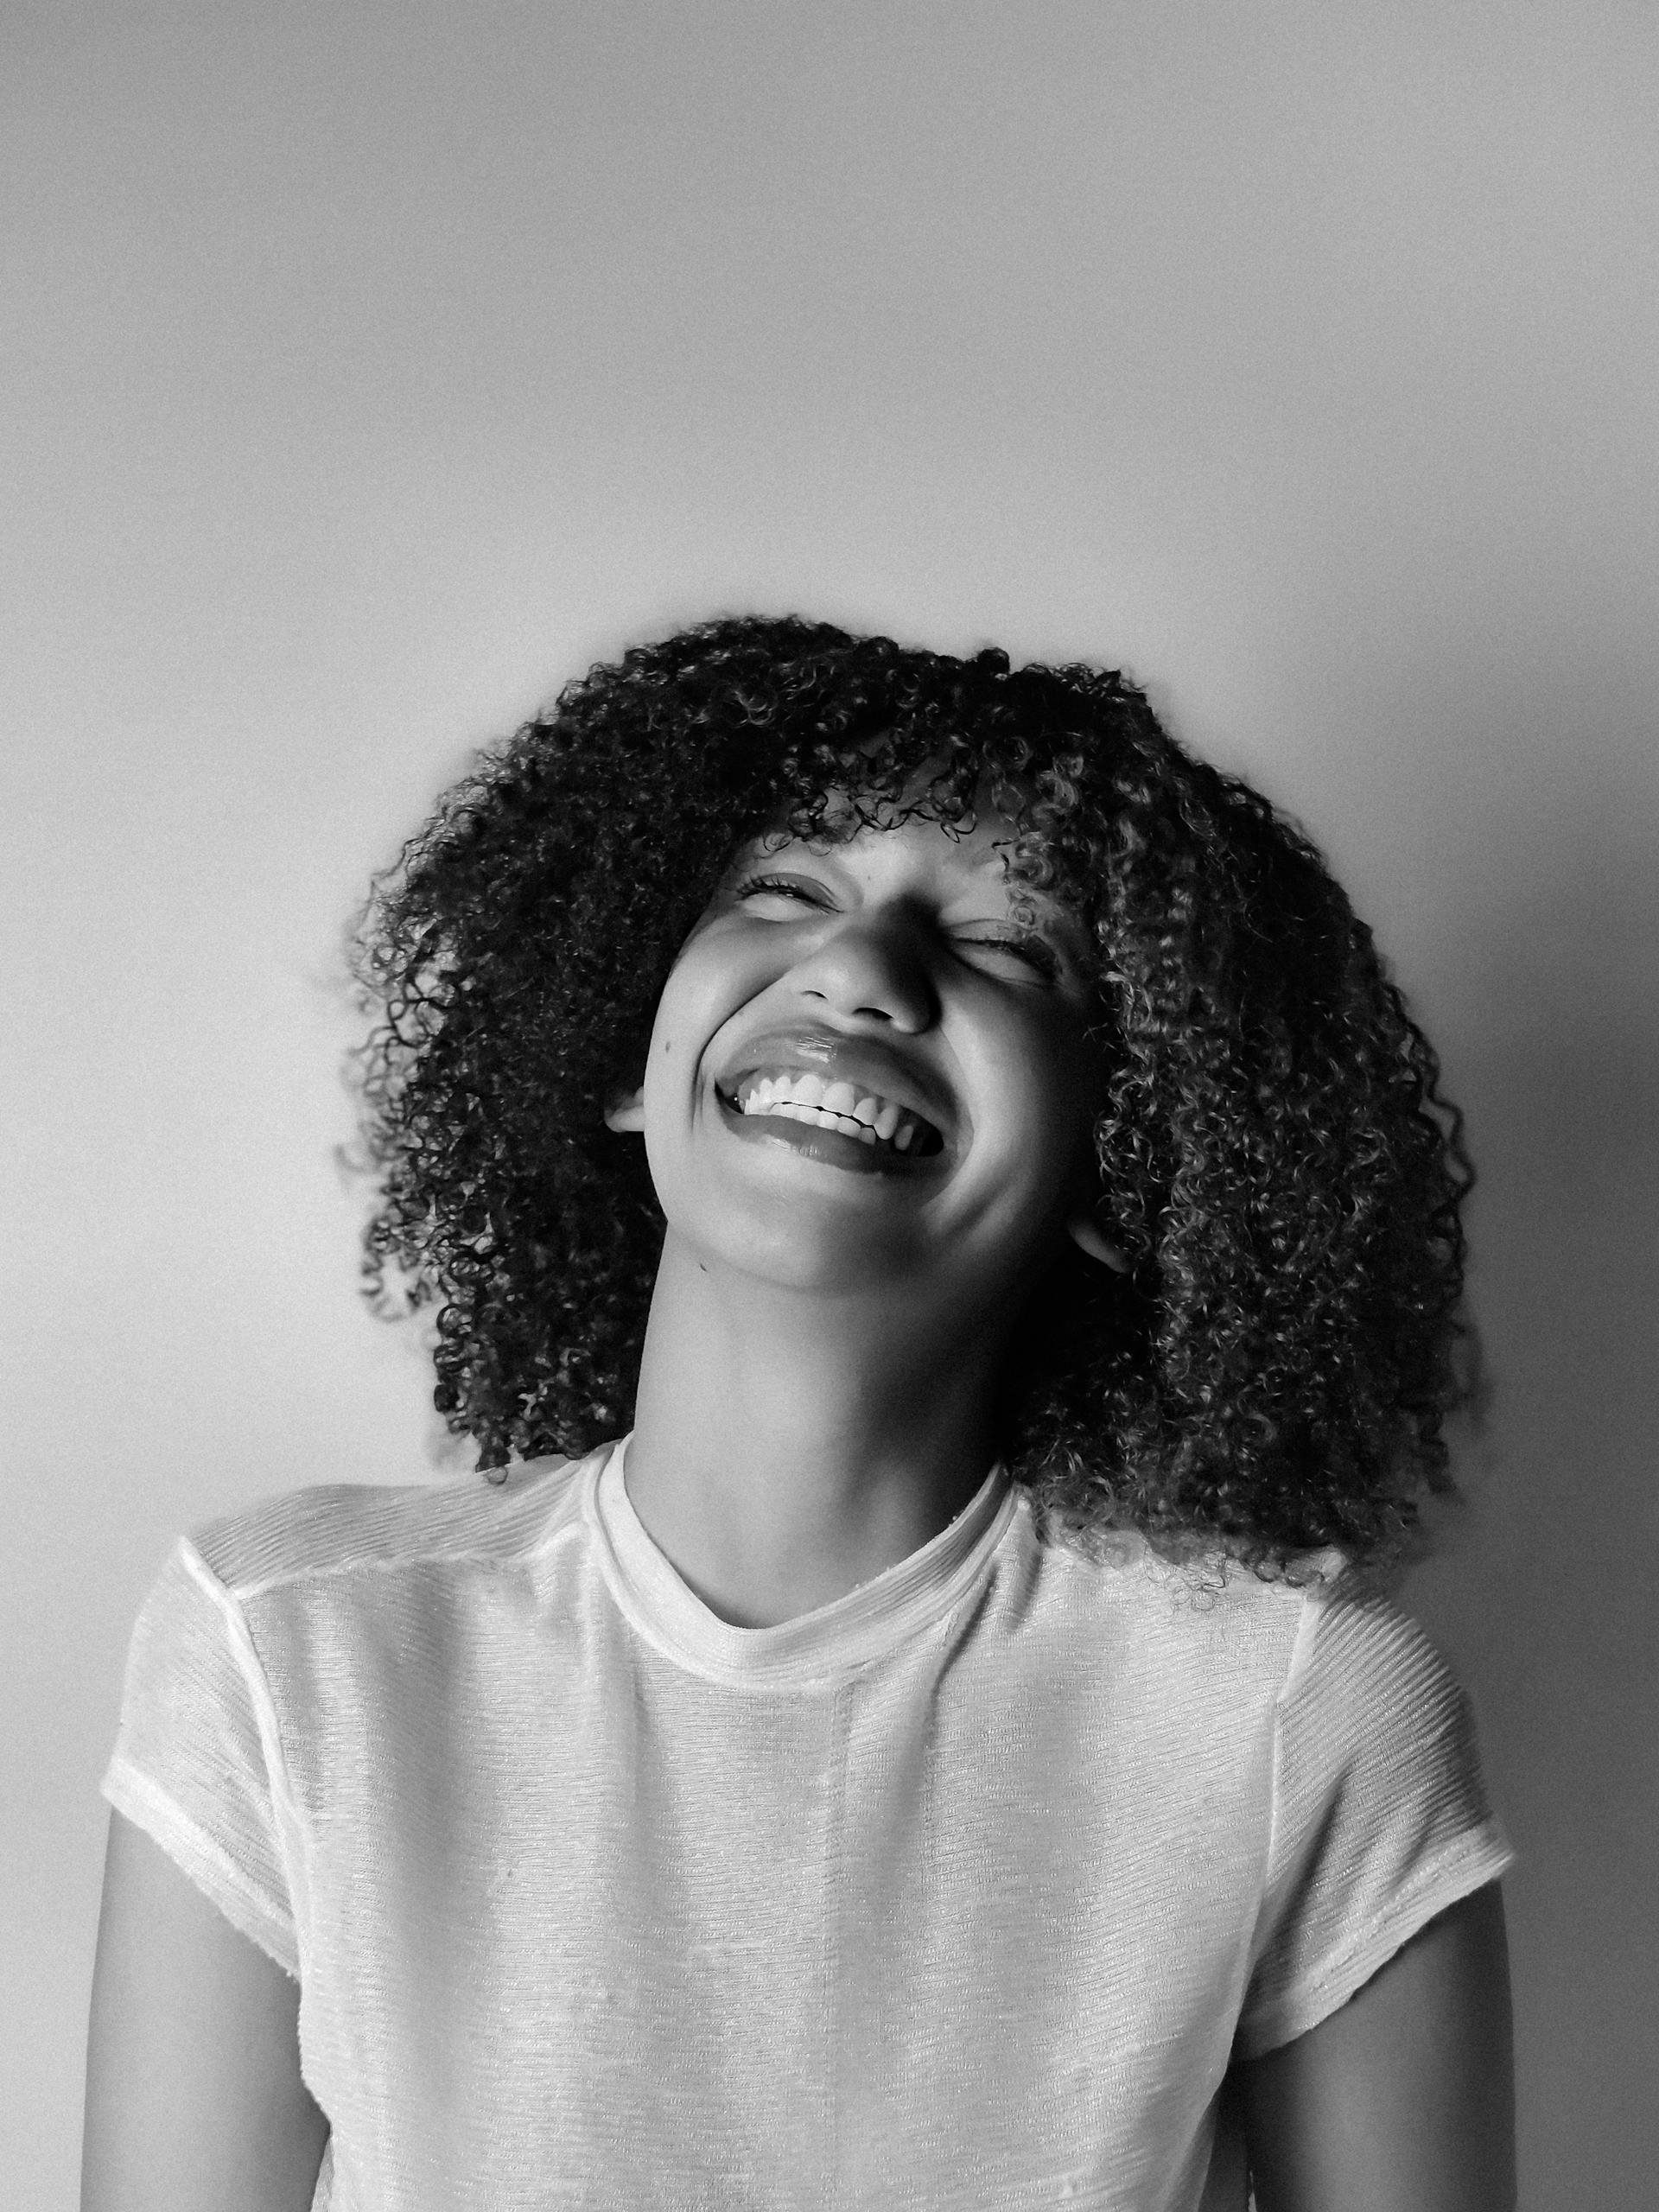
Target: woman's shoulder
324,1530
1201,1613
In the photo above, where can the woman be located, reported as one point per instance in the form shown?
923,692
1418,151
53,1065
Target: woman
947,1242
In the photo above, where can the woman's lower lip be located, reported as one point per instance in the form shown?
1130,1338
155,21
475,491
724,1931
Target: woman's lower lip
827,1145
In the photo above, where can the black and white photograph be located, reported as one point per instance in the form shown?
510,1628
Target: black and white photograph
832,1196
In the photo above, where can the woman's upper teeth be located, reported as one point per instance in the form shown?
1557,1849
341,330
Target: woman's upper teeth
809,1098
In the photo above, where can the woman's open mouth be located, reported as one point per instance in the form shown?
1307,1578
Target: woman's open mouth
829,1135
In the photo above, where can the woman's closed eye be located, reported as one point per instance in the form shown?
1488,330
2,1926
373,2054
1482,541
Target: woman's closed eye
1029,949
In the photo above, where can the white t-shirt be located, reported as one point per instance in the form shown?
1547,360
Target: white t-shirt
959,1892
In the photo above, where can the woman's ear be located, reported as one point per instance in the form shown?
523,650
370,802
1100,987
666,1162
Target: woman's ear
1084,1231
1084,1205
626,1110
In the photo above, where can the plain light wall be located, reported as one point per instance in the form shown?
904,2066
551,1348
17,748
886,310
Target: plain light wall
368,369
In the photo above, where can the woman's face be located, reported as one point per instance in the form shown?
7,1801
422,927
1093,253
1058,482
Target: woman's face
889,967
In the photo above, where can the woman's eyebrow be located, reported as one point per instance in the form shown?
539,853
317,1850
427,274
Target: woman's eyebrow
1050,916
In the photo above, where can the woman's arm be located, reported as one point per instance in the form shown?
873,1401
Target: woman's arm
1403,2099
194,2095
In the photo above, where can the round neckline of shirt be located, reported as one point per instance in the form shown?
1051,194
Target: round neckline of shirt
849,1633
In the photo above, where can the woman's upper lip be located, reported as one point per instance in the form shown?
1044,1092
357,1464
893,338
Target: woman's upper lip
869,1067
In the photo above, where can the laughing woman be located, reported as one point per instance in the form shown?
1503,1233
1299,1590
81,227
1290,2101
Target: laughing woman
947,1242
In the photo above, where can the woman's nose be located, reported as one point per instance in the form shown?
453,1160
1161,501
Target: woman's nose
872,965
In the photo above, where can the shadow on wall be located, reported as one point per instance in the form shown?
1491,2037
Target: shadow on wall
1554,1632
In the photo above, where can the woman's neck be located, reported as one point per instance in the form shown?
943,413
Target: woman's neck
790,1445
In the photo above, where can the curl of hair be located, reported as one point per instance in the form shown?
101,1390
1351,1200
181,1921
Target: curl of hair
1271,1376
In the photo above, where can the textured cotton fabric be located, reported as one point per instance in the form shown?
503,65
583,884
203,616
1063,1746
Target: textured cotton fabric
959,1892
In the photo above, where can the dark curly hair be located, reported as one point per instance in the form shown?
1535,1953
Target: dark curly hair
1270,1377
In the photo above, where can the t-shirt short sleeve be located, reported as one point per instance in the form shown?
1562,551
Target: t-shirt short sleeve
197,1762
1381,1818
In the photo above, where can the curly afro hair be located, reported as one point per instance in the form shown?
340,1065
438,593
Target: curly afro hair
1270,1377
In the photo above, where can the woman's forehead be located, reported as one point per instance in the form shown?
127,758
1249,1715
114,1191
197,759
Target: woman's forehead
984,845
853,808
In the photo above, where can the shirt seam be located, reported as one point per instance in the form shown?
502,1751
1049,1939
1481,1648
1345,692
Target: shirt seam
284,1801
244,1591
1296,1666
